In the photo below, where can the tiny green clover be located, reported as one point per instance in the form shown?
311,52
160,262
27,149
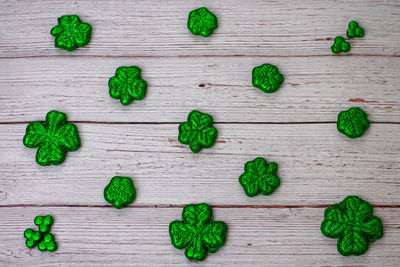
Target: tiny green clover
198,131
32,237
259,177
120,192
340,45
198,233
202,22
44,223
355,30
127,85
267,78
53,138
353,223
353,122
48,243
71,32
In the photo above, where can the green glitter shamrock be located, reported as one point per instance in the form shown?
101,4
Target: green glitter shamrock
353,122
32,237
353,223
44,223
198,233
340,45
120,192
259,177
198,131
267,78
48,243
71,32
53,138
202,22
354,30
127,85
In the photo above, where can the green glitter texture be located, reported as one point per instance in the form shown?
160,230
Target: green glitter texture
71,32
48,243
42,238
354,30
340,45
202,22
198,233
127,85
259,177
53,138
198,131
32,237
44,223
353,223
120,192
353,122
267,78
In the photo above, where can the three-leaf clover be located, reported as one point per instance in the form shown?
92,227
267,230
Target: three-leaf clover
42,238
259,177
353,122
127,85
198,233
44,223
202,22
198,131
32,237
267,78
48,243
71,32
353,223
340,45
53,138
120,192
354,30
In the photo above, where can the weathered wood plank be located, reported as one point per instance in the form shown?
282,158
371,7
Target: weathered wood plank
139,236
158,28
315,89
318,165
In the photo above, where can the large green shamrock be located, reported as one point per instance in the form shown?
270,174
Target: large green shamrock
202,22
259,177
127,85
198,233
53,138
353,223
353,122
120,192
267,78
198,131
71,32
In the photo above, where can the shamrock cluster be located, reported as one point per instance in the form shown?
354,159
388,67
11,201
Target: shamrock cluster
340,44
41,238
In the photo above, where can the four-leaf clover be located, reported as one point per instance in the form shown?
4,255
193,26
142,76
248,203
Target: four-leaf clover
198,233
353,223
202,22
267,78
198,131
353,122
71,32
120,192
53,138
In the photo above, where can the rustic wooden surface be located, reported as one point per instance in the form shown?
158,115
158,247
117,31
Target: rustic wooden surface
294,127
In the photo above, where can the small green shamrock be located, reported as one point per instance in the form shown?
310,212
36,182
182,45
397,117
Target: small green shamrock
198,233
127,85
354,30
267,78
202,22
120,192
198,131
44,223
53,138
48,243
353,122
32,237
71,32
340,45
353,223
259,177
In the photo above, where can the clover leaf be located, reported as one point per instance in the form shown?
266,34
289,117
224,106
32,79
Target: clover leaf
48,243
202,22
127,85
44,223
71,32
353,223
267,78
198,233
198,131
353,122
355,30
120,192
259,177
340,45
53,138
32,237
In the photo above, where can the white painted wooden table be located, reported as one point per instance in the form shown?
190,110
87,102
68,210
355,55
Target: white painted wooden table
294,127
